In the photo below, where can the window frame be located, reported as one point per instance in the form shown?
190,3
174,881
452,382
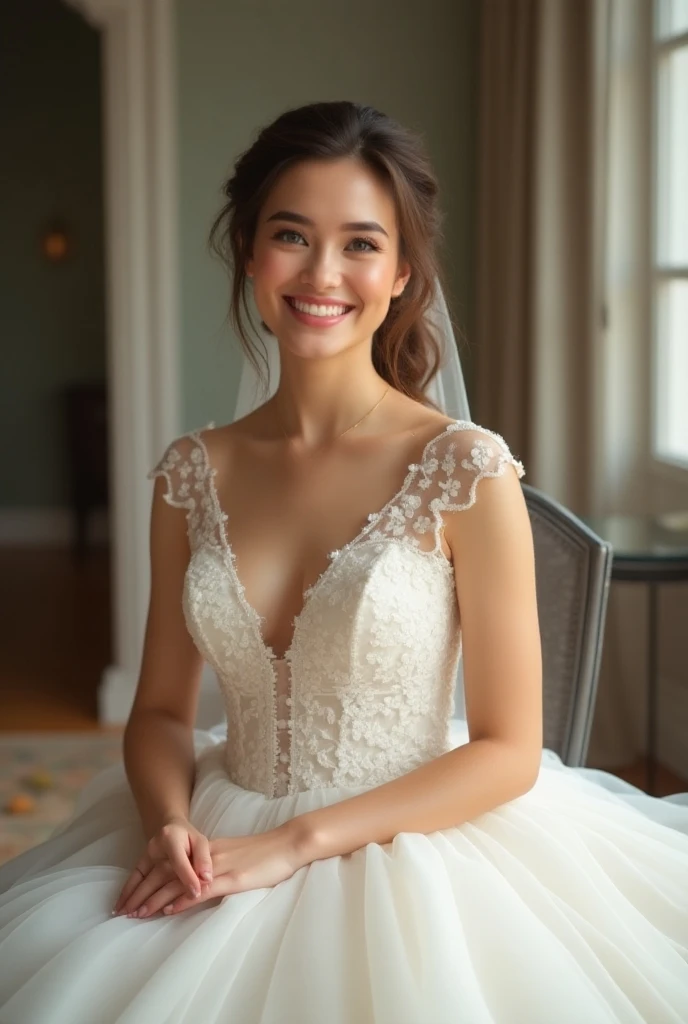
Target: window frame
661,464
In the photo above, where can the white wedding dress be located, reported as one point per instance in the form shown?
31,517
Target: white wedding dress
567,905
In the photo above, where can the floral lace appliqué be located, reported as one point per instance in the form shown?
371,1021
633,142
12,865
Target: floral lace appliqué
365,691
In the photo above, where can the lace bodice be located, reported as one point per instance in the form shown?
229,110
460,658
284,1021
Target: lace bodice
365,691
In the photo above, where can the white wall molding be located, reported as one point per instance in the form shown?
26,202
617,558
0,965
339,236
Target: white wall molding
139,124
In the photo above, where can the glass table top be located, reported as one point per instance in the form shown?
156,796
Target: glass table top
662,537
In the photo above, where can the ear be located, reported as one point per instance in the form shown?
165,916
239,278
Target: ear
401,280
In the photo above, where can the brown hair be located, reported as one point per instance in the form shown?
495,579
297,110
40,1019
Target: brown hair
405,351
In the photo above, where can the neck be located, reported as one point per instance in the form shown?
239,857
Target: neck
318,410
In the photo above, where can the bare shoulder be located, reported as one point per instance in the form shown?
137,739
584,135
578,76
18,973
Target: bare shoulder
407,417
223,441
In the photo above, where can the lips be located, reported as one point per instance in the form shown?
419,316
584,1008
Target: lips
316,320
317,302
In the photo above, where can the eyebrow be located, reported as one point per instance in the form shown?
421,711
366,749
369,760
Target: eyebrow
354,225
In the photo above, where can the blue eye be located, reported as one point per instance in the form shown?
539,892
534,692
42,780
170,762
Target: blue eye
372,246
286,231
368,241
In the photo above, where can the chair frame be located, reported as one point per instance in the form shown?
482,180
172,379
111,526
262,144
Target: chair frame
598,556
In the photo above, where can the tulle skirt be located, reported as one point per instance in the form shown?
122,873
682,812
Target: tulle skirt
568,905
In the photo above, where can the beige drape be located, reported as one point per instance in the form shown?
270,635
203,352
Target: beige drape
543,356
539,249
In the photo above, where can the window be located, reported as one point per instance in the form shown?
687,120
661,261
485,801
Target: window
670,243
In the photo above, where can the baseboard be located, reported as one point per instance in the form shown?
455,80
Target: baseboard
48,527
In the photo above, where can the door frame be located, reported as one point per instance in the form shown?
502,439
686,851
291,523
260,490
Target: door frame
140,166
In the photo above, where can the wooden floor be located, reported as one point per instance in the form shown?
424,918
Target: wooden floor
55,643
666,782
54,637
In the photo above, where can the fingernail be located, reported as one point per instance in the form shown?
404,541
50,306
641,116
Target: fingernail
143,910
167,909
206,875
195,893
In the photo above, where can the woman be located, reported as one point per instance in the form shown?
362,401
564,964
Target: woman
335,857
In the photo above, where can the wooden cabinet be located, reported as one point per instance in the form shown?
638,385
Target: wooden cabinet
86,416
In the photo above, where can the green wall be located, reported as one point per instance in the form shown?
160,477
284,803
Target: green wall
52,320
241,63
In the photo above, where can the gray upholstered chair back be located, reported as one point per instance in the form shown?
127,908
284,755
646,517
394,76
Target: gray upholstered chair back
572,573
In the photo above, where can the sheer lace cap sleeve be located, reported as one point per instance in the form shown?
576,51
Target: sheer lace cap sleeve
446,479
184,466
455,464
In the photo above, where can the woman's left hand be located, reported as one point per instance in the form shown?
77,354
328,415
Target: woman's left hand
239,863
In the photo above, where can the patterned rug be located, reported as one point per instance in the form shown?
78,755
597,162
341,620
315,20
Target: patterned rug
41,774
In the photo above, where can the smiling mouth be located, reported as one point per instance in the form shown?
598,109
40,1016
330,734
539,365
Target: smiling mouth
338,305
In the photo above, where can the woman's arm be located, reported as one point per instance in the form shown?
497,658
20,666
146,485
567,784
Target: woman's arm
494,570
158,740
159,762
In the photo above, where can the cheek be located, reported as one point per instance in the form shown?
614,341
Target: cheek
374,282
273,266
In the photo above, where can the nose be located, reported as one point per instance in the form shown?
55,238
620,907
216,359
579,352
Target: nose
321,272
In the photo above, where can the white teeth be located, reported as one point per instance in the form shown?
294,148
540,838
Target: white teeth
305,307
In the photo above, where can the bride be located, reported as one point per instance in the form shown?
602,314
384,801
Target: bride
341,850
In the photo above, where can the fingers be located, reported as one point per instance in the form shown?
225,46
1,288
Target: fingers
146,895
171,898
127,889
140,887
184,854
200,857
183,902
159,876
177,856
177,906
162,897
133,882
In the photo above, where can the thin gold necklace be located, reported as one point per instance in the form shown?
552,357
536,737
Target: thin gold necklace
353,424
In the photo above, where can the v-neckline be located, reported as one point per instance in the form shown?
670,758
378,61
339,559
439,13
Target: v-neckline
373,517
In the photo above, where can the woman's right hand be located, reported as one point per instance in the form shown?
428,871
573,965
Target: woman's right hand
182,846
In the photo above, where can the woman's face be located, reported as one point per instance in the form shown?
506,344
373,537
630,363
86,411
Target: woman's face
304,251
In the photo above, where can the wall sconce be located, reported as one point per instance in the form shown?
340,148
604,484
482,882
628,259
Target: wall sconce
56,244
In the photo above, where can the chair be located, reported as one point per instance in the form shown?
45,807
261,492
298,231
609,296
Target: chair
572,574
